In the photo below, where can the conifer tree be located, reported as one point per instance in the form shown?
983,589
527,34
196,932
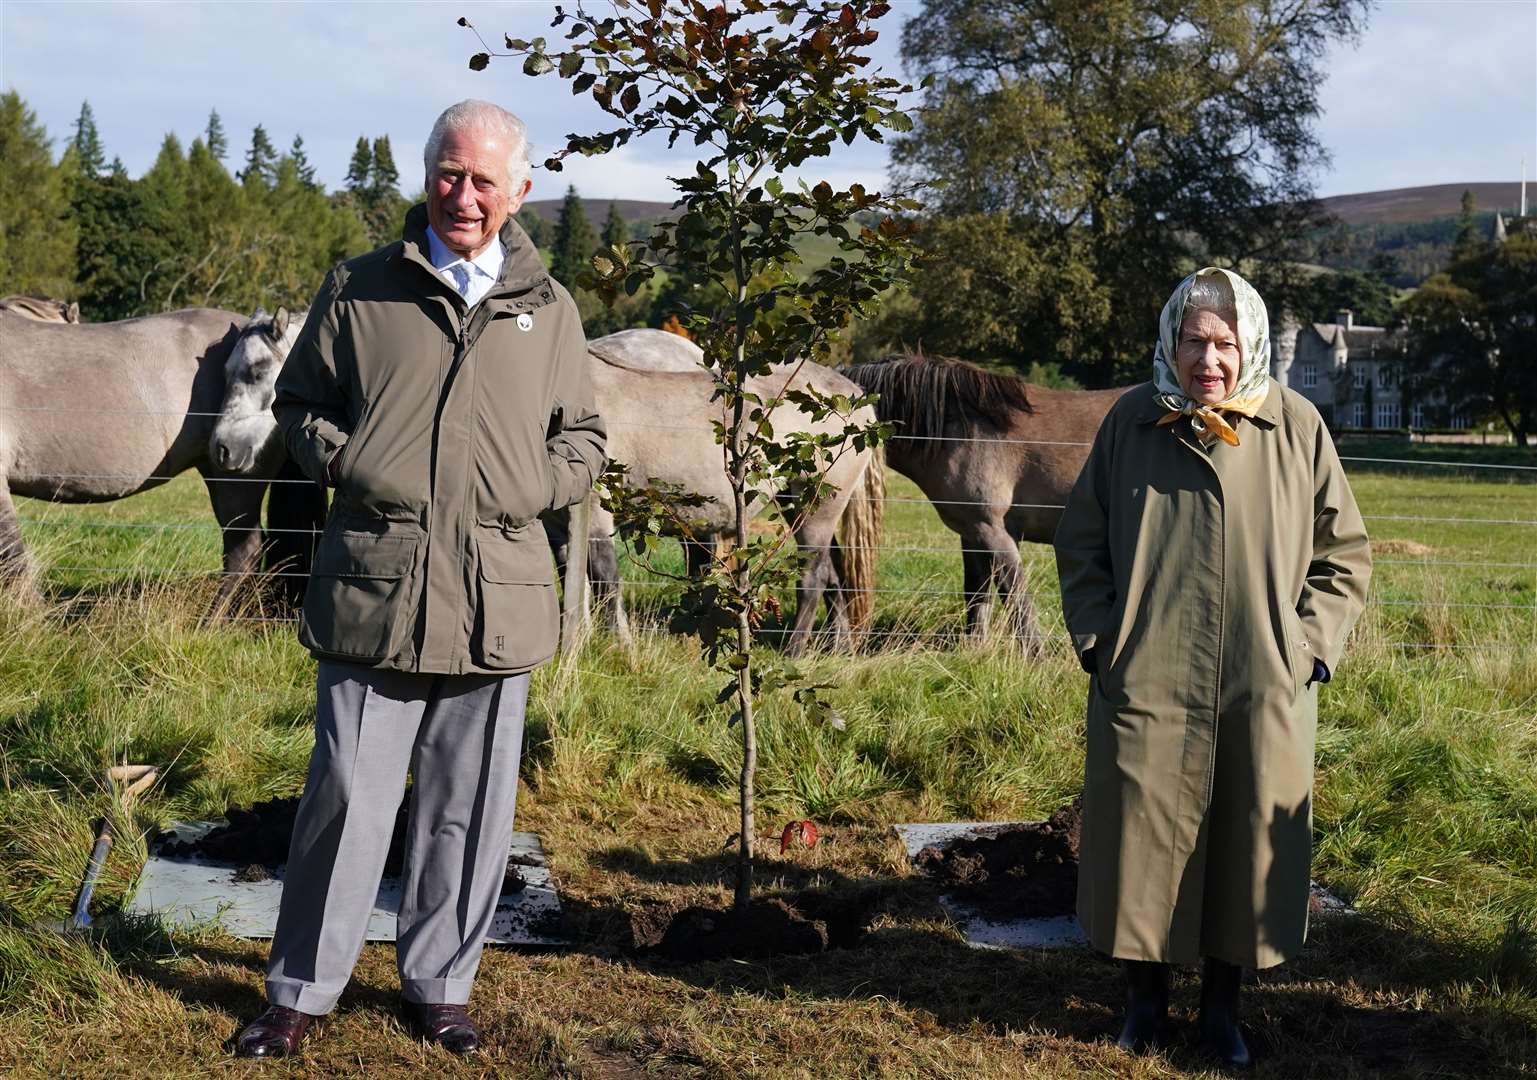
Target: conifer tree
361,166
303,170
214,137
1468,241
615,231
383,176
37,231
574,240
89,156
260,160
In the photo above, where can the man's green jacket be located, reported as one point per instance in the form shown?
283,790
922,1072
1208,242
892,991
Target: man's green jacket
452,427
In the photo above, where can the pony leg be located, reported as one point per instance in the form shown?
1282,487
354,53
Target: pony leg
977,565
15,567
808,598
237,506
603,575
1013,586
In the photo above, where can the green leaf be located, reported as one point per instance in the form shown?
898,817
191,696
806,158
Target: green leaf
630,99
583,82
479,61
570,64
537,64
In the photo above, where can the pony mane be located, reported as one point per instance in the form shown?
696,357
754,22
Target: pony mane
922,393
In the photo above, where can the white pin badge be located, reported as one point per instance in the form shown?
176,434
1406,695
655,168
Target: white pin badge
525,322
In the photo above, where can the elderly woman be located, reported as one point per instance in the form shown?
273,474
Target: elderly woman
1212,562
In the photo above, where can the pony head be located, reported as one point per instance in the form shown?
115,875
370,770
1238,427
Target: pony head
246,431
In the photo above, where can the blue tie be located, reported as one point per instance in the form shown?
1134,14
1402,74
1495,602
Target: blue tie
461,278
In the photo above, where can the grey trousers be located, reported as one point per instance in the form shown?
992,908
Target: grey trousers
460,736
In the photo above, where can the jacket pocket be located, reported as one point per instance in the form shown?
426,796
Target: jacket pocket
517,622
359,592
1299,654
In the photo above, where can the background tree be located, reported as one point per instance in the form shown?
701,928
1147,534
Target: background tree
1365,293
572,247
260,160
1092,153
536,227
214,138
361,167
1469,239
89,157
616,233
1470,336
761,87
383,176
37,231
302,167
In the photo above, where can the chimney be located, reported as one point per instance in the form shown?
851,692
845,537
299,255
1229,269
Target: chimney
1343,318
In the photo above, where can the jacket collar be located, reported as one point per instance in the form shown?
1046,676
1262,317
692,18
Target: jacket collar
1269,413
522,268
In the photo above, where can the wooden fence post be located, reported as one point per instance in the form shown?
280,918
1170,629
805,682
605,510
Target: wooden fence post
574,607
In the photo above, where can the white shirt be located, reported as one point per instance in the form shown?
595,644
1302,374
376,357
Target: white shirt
471,278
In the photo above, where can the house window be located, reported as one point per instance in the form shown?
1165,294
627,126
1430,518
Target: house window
1459,421
1358,414
1358,378
1386,377
1387,414
1417,416
1309,376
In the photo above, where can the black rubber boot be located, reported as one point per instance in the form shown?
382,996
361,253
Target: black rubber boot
1219,1013
1147,1005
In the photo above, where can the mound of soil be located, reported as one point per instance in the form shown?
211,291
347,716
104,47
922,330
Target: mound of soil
767,928
1027,871
257,838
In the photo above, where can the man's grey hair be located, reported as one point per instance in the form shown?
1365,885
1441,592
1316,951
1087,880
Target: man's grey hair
1212,292
483,116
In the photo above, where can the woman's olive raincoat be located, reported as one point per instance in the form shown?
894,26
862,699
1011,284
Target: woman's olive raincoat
1200,582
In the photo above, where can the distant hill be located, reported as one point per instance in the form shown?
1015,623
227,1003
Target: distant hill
1397,205
1419,204
632,210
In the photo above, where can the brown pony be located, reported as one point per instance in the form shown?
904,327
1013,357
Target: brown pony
995,455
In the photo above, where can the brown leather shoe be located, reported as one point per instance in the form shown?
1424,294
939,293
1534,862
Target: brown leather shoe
275,1033
447,1025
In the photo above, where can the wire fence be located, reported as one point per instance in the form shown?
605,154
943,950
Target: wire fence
639,585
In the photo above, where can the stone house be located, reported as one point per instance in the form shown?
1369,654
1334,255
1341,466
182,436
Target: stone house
1350,372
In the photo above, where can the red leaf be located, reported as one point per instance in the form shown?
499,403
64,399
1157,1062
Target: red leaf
805,831
846,17
790,831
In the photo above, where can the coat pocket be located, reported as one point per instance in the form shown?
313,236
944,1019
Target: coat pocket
517,622
359,593
1299,654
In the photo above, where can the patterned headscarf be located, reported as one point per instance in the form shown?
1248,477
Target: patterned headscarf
1253,365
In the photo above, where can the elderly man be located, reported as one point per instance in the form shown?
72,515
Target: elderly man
440,387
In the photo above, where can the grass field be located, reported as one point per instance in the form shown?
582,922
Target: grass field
1425,817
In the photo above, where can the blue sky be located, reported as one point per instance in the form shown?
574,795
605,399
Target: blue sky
1438,91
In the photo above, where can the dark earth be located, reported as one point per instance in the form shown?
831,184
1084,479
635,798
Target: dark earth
1007,872
257,838
810,921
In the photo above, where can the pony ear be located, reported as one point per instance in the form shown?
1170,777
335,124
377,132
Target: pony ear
72,313
279,324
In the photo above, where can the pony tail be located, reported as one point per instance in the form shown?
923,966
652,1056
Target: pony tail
863,522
